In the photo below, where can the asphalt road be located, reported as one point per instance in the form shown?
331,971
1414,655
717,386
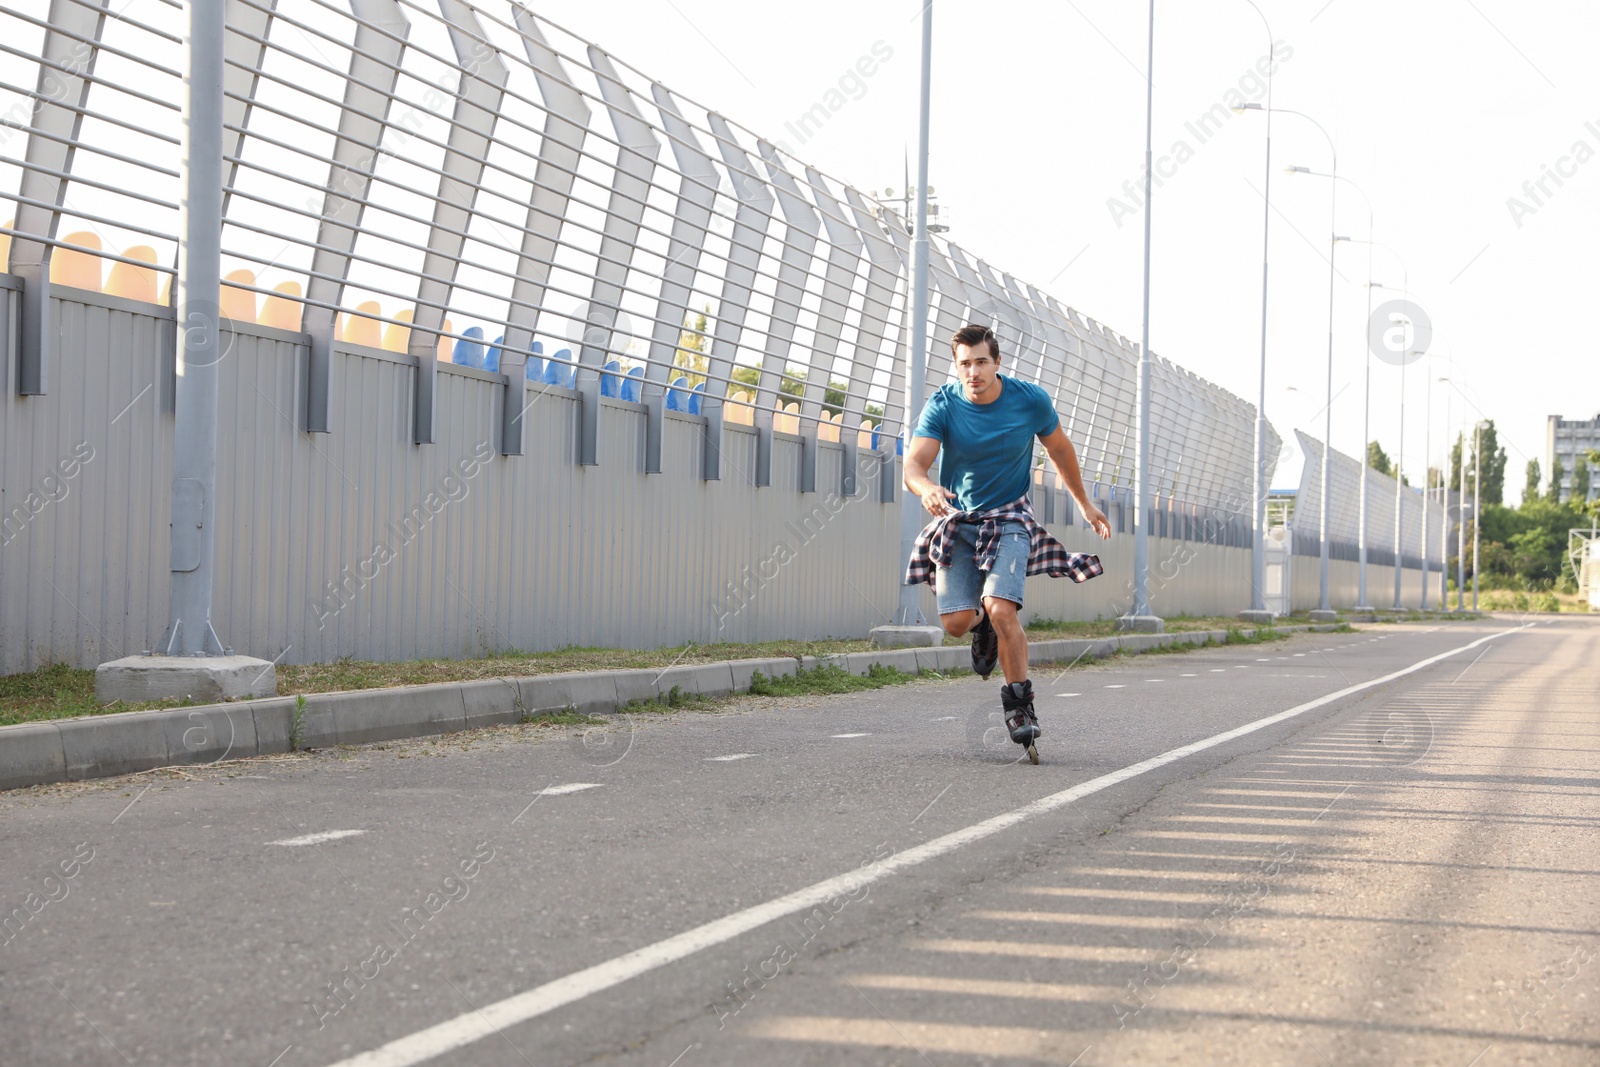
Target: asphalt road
1404,874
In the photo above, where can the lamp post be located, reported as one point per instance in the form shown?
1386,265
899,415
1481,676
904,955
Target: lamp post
1324,612
1366,391
1461,530
910,608
1257,611
1427,484
1477,489
1139,616
1444,508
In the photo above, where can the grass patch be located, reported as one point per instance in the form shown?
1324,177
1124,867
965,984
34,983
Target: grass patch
1259,636
59,691
565,717
827,679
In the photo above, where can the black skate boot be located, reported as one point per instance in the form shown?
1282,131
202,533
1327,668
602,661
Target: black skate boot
1017,699
985,648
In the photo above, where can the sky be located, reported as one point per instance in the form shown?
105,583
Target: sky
1471,126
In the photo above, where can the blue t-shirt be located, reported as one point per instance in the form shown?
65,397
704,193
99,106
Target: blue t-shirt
987,448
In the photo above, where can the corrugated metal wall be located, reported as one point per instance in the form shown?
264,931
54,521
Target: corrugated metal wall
359,543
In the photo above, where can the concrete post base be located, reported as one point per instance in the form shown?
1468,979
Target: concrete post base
203,679
1142,624
1319,615
1260,618
1361,614
906,636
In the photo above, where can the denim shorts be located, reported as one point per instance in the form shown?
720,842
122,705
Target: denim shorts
960,585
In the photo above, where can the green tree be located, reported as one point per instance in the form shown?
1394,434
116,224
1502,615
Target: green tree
1379,460
693,344
1553,494
1494,463
1580,482
1530,488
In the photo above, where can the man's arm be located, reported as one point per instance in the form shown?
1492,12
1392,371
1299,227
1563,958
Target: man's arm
1065,457
919,457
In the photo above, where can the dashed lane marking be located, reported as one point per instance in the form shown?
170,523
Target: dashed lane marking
491,1019
317,838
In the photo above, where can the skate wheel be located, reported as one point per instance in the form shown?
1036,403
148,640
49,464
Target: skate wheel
1033,755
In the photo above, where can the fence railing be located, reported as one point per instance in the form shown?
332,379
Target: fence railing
472,183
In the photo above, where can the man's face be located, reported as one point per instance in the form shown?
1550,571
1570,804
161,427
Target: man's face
978,372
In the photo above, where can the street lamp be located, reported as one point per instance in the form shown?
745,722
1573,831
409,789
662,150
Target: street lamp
1139,616
1477,489
1258,611
1444,507
1324,612
910,609
1366,391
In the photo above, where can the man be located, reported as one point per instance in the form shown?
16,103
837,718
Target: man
984,541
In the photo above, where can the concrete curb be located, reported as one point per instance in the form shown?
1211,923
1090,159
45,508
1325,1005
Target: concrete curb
100,746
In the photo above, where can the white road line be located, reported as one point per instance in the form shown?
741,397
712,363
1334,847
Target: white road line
944,718
317,839
1069,694
730,759
570,787
851,735
485,1022
1116,687
1188,676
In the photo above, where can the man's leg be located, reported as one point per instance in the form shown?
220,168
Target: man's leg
1013,641
959,623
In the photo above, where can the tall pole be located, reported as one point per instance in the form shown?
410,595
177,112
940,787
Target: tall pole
1366,432
1477,490
194,451
1141,472
1461,529
910,611
1428,475
1444,513
1399,492
1258,552
1327,411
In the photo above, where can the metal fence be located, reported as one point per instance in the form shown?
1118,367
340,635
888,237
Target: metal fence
1420,518
457,192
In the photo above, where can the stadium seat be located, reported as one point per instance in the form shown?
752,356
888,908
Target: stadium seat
611,379
677,395
632,384
469,353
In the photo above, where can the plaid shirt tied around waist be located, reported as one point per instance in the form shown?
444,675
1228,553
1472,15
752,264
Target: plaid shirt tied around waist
936,544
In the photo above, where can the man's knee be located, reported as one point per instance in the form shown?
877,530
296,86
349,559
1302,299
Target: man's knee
958,622
1001,610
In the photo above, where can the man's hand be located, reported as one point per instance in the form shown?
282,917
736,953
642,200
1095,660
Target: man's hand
1097,519
936,500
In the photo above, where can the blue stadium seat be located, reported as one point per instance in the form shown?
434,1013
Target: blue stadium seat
535,371
469,353
696,397
611,379
632,384
491,362
678,394
559,373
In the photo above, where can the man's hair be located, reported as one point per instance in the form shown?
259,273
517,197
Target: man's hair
971,335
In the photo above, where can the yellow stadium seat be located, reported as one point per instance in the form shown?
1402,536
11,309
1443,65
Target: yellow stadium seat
239,304
5,246
77,270
359,329
283,311
396,338
133,282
